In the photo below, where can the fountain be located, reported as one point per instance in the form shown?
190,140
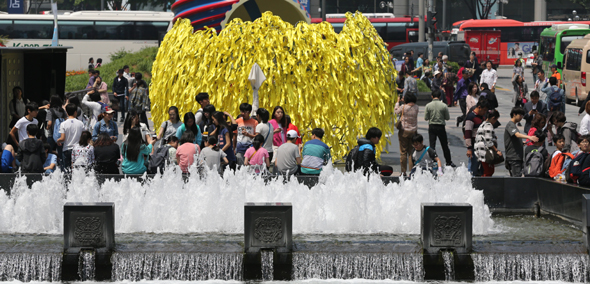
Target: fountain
344,226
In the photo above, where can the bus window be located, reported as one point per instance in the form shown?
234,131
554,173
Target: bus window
566,40
396,32
381,29
150,30
33,29
113,30
573,59
337,27
548,48
397,53
5,27
588,57
76,29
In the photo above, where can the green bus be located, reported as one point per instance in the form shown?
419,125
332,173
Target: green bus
555,39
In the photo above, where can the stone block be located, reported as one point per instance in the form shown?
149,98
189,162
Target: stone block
89,225
268,226
446,226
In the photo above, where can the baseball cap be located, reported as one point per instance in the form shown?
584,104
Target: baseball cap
108,109
436,72
553,66
292,134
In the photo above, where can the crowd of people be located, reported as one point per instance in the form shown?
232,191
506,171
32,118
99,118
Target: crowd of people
61,135
473,90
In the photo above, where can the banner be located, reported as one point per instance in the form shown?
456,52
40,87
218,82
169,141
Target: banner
16,7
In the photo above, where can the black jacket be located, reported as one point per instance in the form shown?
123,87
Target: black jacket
31,153
366,157
491,97
541,108
120,87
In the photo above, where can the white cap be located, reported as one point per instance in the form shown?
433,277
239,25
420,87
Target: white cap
436,72
292,134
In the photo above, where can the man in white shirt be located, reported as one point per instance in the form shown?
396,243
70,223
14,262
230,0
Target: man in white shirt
70,131
489,76
21,125
540,83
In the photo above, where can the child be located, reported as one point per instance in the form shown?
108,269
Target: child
246,130
559,160
31,152
424,157
185,153
173,145
8,161
257,156
212,156
534,165
51,161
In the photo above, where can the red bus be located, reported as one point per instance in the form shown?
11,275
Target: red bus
393,31
517,37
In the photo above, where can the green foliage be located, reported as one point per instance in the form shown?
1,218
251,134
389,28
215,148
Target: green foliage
455,66
422,88
140,61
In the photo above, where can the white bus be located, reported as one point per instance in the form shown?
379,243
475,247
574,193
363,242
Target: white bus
94,34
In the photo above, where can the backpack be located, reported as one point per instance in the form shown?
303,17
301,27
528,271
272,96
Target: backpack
575,167
573,131
559,164
555,100
534,163
158,160
351,159
103,106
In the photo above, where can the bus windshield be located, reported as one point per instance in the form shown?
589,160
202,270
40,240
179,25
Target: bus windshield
548,48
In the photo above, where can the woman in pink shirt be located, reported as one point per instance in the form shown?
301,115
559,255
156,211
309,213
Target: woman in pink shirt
279,124
185,153
256,156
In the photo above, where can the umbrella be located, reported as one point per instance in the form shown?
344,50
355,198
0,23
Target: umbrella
256,78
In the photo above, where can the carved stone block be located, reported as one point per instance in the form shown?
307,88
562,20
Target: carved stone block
89,225
446,226
268,225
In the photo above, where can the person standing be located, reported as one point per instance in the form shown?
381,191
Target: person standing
90,63
489,76
472,65
408,112
518,70
472,95
31,152
489,95
120,89
246,132
279,125
449,81
315,154
461,95
419,65
485,140
436,112
203,100
539,83
106,125
472,122
410,85
139,98
265,129
556,74
70,131
513,143
224,136
532,108
536,65
17,105
520,91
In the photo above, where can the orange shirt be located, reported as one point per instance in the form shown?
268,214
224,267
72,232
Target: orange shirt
556,75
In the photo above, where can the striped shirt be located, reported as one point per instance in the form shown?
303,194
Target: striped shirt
315,153
472,123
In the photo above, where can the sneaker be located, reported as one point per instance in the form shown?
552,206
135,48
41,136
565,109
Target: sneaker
458,120
451,164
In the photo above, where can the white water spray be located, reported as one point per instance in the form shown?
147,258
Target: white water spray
342,202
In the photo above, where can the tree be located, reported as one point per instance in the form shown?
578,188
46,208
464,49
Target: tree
479,9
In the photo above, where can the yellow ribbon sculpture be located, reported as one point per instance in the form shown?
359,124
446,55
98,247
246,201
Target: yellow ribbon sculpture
341,82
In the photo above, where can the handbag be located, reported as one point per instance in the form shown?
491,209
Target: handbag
398,123
492,157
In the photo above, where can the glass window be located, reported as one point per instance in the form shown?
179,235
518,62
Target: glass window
33,29
152,30
459,52
5,27
573,59
396,32
76,30
547,48
588,57
381,29
566,40
113,30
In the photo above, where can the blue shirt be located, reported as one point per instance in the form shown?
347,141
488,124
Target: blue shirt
461,92
51,159
101,127
137,167
419,62
182,129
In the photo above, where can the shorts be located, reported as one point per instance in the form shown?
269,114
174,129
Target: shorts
7,160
